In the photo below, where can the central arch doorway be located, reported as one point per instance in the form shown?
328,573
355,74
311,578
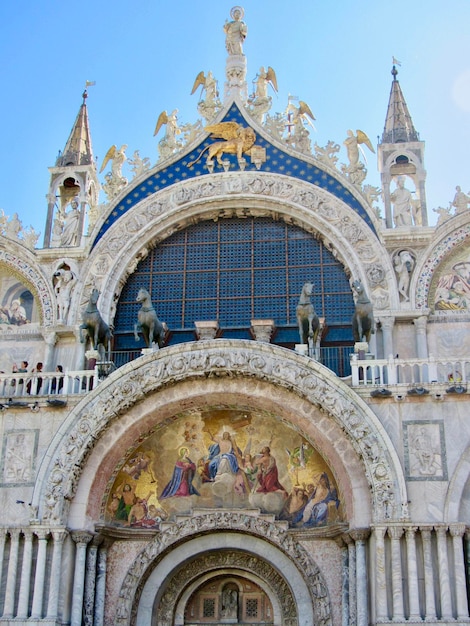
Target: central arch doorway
230,578
228,598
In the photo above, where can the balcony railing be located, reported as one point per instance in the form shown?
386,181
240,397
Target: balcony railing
392,371
48,383
367,372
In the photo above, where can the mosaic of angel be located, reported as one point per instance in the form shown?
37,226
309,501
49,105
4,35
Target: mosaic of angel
223,458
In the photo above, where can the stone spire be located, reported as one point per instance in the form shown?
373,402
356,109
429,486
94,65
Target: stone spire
398,124
235,67
78,150
401,165
73,188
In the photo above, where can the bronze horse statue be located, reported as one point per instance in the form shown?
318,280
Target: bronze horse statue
97,331
307,319
363,318
148,323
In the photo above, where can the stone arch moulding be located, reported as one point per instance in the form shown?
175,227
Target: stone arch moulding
21,261
211,543
127,242
252,361
448,241
456,488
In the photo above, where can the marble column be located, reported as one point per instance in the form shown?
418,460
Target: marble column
81,539
380,575
430,600
39,579
457,531
444,580
50,340
9,605
420,324
387,324
3,534
90,582
413,588
360,537
398,612
56,566
351,579
25,584
344,581
101,582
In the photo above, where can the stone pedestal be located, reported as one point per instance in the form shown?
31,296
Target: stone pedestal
361,348
151,350
206,329
301,348
262,330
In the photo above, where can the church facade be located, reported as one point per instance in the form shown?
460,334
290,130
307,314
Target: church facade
236,391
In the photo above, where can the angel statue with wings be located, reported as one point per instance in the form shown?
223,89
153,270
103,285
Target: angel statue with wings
356,170
114,180
210,105
260,101
169,144
297,117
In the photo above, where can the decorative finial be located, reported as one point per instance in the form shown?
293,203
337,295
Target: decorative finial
88,83
395,62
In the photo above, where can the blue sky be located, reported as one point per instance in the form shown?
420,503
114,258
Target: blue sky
144,57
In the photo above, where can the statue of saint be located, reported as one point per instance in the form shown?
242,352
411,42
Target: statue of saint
461,201
235,32
70,230
402,204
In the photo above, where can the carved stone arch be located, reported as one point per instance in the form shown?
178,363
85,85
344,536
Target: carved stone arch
449,239
454,508
210,542
21,262
248,361
411,155
219,196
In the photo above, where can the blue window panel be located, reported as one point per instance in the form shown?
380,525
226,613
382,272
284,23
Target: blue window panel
201,283
274,308
167,256
266,229
233,255
166,286
236,312
199,233
234,284
269,254
203,256
199,310
235,230
257,269
269,282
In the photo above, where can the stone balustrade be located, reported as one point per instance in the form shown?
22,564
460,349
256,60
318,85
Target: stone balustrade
411,372
20,385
